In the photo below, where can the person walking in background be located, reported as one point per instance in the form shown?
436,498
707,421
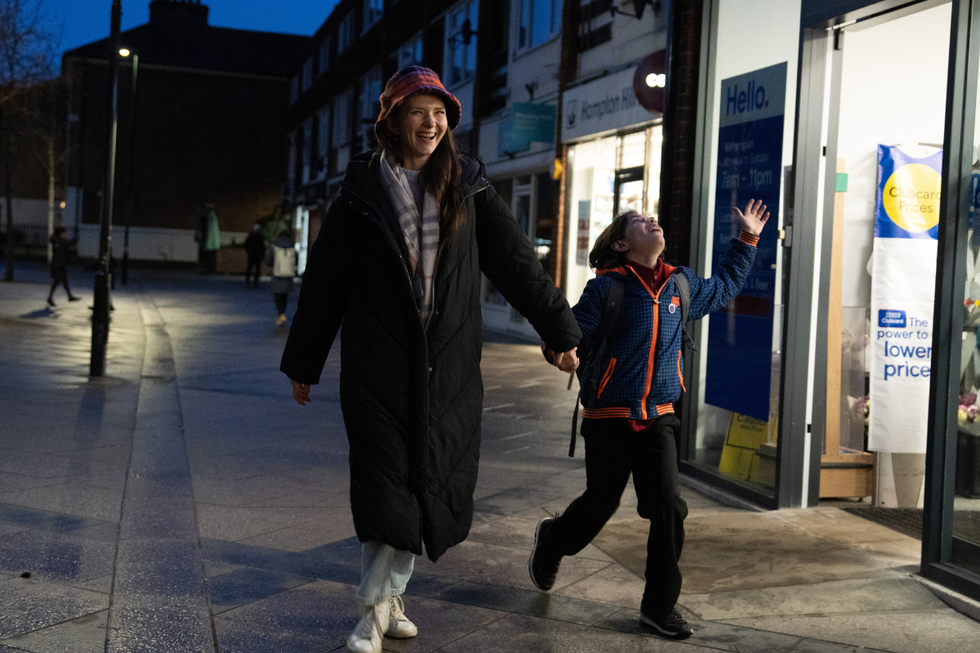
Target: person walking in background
255,250
60,252
398,261
281,257
628,422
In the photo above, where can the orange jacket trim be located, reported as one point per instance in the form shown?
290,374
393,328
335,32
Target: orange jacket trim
680,373
665,409
605,413
606,377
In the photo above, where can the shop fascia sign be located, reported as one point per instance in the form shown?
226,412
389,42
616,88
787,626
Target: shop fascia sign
527,122
606,104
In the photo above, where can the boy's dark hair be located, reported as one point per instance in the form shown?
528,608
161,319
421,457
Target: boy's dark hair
603,256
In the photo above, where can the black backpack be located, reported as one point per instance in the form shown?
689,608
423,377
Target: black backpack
591,372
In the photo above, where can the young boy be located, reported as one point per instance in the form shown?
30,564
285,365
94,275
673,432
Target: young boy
631,426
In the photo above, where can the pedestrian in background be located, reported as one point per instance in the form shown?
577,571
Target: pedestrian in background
281,257
398,261
255,250
629,424
60,253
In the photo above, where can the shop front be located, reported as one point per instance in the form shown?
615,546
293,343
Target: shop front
848,368
527,185
614,145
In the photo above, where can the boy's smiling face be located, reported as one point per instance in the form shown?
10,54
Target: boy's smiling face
643,241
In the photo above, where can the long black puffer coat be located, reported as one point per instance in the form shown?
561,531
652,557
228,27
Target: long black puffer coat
412,395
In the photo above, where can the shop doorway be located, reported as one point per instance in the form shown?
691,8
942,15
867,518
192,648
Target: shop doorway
877,266
628,190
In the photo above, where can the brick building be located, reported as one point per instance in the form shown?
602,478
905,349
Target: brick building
205,126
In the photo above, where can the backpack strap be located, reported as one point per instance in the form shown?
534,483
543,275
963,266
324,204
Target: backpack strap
590,370
684,290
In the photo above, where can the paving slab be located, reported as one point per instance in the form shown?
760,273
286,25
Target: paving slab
29,605
82,635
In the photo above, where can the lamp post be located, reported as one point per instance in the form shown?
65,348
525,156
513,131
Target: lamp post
100,314
132,167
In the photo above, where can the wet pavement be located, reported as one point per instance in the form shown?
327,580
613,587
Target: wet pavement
184,502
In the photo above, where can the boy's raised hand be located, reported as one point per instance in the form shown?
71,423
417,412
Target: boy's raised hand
754,218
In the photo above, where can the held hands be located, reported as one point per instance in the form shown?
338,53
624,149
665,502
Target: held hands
301,392
566,361
754,218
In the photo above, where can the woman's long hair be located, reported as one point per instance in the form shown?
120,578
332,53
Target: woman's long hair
442,175
603,256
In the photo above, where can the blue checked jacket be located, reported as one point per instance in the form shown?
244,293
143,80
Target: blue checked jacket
643,362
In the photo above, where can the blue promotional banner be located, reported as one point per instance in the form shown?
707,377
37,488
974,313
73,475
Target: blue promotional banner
750,152
907,203
903,279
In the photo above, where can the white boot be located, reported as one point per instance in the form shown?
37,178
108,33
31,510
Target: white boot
370,630
398,624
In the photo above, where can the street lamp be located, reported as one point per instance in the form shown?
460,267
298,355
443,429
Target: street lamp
100,312
132,153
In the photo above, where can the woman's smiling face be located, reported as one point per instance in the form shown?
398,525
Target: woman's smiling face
420,125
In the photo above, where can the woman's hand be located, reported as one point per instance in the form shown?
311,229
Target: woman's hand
301,392
754,218
566,361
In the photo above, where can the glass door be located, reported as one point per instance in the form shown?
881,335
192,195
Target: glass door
628,194
878,266
951,547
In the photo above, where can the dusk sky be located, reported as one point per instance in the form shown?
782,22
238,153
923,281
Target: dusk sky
84,21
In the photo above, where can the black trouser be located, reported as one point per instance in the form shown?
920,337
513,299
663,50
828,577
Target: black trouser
281,298
612,452
252,269
59,275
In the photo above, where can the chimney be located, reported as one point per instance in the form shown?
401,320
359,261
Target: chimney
189,8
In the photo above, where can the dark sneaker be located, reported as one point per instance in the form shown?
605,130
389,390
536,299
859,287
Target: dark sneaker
543,567
671,625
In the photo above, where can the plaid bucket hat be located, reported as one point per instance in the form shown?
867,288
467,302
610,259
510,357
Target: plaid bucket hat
413,80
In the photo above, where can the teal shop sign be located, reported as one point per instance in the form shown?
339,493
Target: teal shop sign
527,123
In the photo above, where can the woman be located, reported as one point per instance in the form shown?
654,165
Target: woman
398,261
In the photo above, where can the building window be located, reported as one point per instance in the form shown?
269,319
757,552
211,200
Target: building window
323,146
372,13
410,53
341,119
307,149
461,53
307,74
345,33
324,55
323,140
292,163
370,104
540,20
294,89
